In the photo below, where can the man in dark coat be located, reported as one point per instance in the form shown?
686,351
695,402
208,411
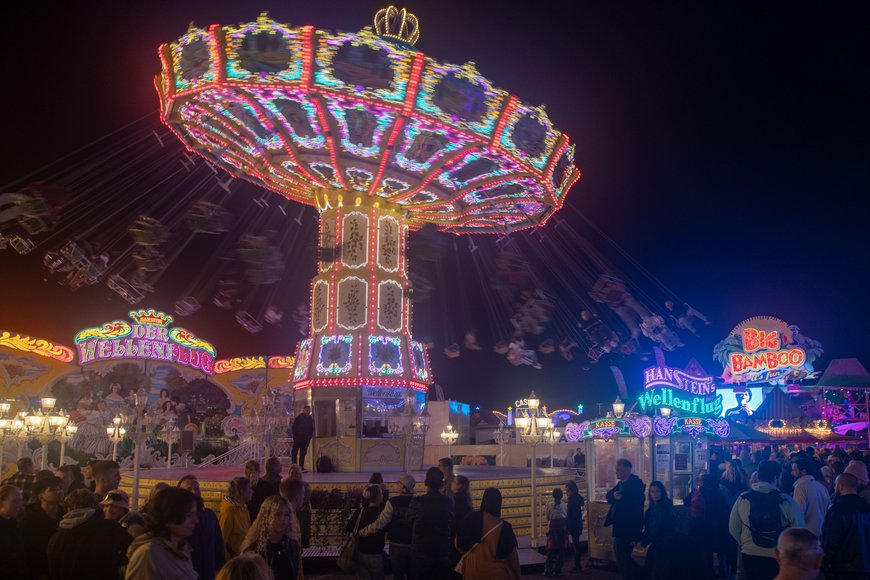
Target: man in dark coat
39,522
260,489
626,516
846,532
303,431
86,545
431,517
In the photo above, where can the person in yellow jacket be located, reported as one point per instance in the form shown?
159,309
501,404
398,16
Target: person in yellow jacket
234,518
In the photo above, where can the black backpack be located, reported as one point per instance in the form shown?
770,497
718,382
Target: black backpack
765,517
324,464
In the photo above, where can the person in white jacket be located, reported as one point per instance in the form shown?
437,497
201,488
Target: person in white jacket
759,561
810,495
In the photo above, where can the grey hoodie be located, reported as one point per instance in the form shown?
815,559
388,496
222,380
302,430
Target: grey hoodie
155,558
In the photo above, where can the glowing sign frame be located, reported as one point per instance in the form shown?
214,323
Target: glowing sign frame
764,349
664,387
149,337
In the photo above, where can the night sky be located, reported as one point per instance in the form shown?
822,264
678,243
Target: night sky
724,147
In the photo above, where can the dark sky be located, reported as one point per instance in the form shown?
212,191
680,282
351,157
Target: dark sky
723,146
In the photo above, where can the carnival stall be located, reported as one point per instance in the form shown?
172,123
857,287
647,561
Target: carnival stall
666,437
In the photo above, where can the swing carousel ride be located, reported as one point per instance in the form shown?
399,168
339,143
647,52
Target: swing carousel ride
386,143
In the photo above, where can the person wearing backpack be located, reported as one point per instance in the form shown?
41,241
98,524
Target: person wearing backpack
758,517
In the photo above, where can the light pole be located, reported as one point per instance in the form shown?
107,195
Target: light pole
21,431
552,439
116,432
142,422
170,435
501,436
449,437
64,434
533,427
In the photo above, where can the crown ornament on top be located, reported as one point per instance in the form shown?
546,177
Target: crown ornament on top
395,24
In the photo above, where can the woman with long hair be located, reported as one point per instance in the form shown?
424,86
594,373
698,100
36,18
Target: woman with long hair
270,537
658,526
304,512
234,518
369,555
574,522
162,552
488,542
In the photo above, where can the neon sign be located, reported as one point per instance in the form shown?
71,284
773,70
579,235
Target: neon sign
668,377
668,397
677,389
607,429
149,337
694,426
766,350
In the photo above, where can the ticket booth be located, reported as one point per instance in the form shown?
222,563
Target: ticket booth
606,441
681,451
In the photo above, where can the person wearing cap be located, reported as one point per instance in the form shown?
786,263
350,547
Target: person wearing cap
858,469
207,541
86,545
116,507
39,522
394,518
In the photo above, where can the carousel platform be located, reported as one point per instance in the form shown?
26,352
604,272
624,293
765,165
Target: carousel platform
514,483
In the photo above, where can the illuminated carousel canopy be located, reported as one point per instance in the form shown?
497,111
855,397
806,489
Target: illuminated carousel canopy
294,109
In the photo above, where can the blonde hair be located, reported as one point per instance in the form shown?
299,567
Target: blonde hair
258,533
246,566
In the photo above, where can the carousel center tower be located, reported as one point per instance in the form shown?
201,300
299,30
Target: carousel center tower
381,139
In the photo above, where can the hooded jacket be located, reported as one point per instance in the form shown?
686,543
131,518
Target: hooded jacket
35,530
234,522
155,558
86,546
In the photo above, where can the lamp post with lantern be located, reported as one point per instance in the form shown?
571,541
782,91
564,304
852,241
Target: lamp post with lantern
141,426
64,433
116,432
501,436
449,437
533,427
44,423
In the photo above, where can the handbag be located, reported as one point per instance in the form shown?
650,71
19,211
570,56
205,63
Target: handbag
638,554
347,555
460,566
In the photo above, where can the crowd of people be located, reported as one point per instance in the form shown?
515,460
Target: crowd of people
754,516
75,523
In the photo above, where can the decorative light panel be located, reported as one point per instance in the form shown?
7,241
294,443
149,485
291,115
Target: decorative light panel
335,355
263,52
385,355
303,360
192,60
529,134
363,64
